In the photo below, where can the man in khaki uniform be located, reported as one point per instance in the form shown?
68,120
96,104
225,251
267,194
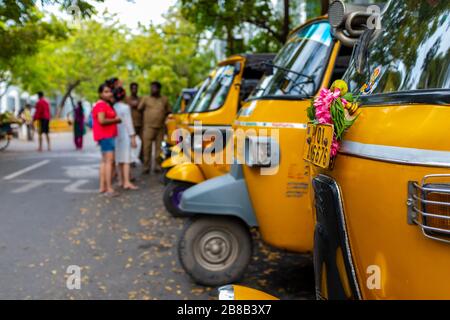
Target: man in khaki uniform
155,109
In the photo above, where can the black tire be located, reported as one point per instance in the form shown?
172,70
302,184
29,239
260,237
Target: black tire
4,143
211,268
163,178
171,196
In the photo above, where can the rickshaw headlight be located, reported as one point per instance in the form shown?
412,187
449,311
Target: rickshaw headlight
226,293
437,207
429,206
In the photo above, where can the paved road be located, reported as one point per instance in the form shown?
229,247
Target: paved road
51,218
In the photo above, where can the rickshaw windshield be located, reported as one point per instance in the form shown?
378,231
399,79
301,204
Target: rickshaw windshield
216,93
411,52
199,95
177,106
299,67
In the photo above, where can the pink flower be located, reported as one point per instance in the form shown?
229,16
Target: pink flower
335,146
323,103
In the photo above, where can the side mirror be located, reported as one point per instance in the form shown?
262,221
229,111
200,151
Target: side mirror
268,68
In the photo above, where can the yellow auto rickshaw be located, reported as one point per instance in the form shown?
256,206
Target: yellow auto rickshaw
172,122
269,186
172,155
215,110
383,204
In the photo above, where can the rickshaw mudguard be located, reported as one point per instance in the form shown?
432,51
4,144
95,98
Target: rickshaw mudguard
240,293
186,172
332,251
226,195
173,161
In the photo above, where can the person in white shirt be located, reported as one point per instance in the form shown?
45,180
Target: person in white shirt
125,140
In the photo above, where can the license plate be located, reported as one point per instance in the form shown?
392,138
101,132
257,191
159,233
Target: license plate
318,145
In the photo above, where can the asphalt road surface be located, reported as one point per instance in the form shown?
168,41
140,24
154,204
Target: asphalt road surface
125,248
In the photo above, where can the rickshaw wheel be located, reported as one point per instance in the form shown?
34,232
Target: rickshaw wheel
172,197
215,251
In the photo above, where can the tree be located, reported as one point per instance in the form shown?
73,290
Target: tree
324,6
22,27
225,19
81,62
173,53
101,50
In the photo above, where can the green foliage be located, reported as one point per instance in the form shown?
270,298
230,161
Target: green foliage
337,111
170,53
311,112
22,27
263,26
88,56
226,19
100,50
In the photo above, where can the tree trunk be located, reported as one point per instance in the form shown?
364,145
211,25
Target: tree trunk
230,42
67,95
287,20
325,4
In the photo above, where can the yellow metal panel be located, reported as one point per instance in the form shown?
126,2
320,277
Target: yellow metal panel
375,196
246,294
173,161
186,172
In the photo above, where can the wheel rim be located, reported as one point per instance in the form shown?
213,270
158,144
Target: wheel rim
216,249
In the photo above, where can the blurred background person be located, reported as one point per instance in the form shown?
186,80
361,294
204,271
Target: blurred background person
125,140
27,118
155,110
79,127
133,101
42,116
104,128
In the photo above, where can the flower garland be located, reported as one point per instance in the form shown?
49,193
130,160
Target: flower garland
335,106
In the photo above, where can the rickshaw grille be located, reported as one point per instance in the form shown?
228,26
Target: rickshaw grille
429,206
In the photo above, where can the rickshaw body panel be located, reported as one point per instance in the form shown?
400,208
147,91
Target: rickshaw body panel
226,195
282,202
386,148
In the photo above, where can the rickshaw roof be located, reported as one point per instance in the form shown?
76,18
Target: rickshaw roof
325,17
248,58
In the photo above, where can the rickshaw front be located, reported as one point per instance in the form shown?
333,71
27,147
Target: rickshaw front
269,188
383,204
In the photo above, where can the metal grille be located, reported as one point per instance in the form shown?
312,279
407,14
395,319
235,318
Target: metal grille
429,206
